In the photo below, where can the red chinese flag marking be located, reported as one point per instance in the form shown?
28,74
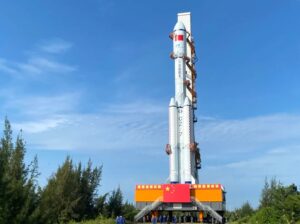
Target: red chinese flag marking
175,193
178,37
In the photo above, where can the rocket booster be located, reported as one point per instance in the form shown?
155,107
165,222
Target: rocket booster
181,126
173,119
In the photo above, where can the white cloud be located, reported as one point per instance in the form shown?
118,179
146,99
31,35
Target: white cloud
55,46
269,163
244,179
39,63
39,126
43,106
5,67
137,107
249,134
144,124
127,74
112,128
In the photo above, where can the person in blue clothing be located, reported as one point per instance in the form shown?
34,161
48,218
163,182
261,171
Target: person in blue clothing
174,219
154,219
164,219
122,220
159,219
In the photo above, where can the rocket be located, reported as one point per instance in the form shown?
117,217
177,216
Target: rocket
181,147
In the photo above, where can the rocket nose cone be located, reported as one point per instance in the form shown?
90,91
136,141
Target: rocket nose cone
179,26
172,103
186,102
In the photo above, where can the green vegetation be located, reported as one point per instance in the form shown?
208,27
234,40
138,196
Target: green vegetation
70,195
98,220
18,197
278,204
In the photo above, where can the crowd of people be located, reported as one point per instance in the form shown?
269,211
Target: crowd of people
163,219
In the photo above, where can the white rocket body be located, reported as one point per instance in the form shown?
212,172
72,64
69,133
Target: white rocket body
181,120
179,52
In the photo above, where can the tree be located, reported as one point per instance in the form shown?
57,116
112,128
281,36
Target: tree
292,207
278,204
242,214
115,203
129,211
269,193
88,183
246,210
266,215
101,205
17,180
6,149
70,193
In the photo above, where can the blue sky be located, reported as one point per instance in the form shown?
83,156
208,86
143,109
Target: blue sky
93,79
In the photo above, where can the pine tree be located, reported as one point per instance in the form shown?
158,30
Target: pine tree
115,203
6,148
17,181
70,194
129,211
18,178
101,205
89,182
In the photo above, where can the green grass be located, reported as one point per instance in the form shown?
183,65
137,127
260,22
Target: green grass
99,220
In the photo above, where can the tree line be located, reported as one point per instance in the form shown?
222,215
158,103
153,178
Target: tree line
278,204
69,195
